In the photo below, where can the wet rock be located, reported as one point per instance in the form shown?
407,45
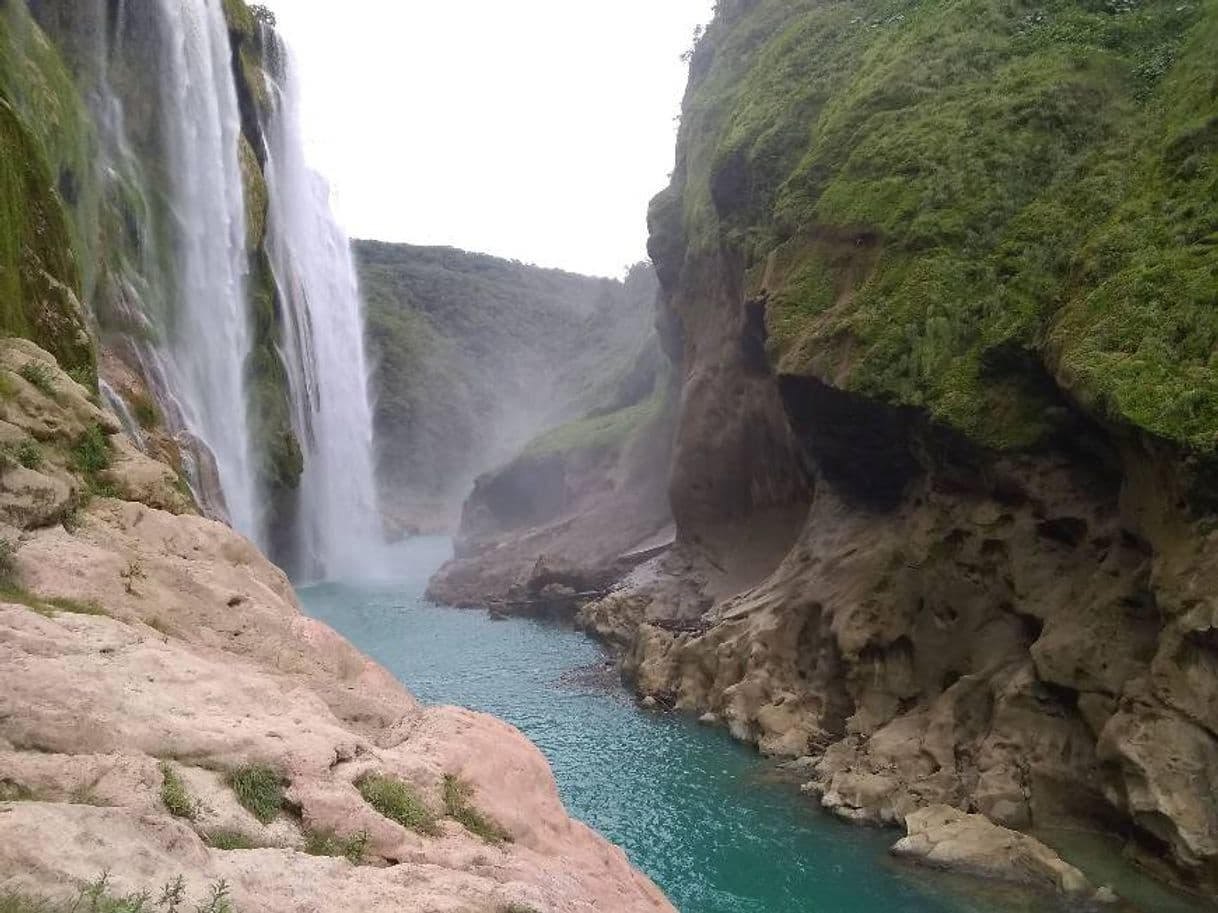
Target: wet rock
946,838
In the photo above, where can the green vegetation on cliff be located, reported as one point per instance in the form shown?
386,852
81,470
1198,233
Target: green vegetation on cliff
475,355
43,142
941,202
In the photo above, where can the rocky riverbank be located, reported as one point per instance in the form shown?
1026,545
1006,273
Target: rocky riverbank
943,467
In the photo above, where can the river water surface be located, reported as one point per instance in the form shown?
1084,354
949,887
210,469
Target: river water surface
704,816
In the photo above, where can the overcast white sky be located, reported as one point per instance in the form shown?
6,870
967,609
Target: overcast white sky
531,129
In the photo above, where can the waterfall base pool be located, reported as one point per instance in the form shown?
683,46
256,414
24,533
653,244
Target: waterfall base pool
713,824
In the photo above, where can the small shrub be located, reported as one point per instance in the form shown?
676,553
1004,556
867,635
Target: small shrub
259,789
517,908
262,14
325,842
96,897
29,454
175,796
230,840
146,412
397,802
91,456
458,807
8,389
218,900
40,376
85,376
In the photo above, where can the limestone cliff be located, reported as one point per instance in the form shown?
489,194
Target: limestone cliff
943,276
166,711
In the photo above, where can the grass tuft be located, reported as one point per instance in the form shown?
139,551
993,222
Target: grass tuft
91,454
40,376
326,842
259,789
175,796
230,840
398,802
457,806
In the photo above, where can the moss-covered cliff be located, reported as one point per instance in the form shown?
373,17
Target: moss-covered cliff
941,279
933,200
48,206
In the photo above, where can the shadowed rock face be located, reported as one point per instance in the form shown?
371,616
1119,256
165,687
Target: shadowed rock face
944,564
135,634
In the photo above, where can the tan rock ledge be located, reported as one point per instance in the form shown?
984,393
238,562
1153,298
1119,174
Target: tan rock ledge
946,838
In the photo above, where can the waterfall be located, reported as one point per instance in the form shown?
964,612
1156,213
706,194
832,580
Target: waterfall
175,293
209,332
338,528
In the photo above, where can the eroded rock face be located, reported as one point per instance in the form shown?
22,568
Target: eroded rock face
942,560
579,518
1024,636
136,637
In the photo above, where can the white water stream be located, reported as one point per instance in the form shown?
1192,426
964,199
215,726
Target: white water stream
338,533
181,290
209,335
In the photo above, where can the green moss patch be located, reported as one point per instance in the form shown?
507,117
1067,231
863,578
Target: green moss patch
601,431
944,203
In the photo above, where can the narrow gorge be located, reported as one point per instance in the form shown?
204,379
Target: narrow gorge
853,552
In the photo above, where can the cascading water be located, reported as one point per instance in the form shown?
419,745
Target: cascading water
338,532
209,333
181,266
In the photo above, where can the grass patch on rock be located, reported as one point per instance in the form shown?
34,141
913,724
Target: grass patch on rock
259,789
326,842
458,807
175,796
40,376
230,840
398,802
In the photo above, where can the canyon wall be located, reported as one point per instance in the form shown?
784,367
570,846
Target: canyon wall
943,277
474,356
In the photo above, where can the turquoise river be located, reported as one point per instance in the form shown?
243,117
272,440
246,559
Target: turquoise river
712,823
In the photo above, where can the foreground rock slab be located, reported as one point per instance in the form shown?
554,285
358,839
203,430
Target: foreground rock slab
136,641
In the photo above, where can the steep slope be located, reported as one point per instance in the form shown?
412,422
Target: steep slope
476,355
166,712
944,275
